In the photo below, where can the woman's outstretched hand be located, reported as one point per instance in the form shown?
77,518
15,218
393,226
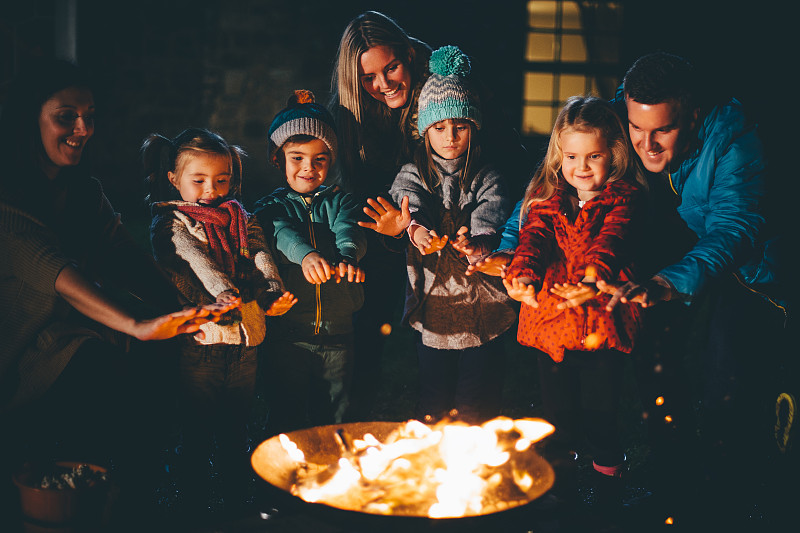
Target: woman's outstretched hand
388,220
90,300
280,306
180,322
521,290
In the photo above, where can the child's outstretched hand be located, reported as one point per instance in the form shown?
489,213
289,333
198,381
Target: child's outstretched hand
388,220
521,290
492,264
316,269
216,310
349,272
229,296
282,304
574,294
210,313
428,242
472,246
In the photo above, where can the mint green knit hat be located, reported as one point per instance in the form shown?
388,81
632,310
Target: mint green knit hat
447,94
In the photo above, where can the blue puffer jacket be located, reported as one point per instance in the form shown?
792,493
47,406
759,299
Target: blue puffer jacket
721,186
721,183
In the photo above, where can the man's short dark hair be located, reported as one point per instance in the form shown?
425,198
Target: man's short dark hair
660,77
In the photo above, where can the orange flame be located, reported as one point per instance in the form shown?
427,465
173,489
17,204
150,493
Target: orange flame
449,468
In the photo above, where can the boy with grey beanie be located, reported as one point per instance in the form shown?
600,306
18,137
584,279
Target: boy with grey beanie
318,246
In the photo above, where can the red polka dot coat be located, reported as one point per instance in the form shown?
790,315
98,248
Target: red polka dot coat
554,248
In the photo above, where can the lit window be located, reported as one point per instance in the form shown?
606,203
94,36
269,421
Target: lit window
572,48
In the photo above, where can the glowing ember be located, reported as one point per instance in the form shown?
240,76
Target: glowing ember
446,470
593,341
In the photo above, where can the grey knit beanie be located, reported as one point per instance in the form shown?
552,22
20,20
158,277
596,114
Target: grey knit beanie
303,116
446,94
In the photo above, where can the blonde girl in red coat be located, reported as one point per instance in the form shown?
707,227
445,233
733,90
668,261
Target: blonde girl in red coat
581,212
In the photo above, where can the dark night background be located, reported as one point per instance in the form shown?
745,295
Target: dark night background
167,65
230,65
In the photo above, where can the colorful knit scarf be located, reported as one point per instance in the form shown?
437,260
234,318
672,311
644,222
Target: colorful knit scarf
226,228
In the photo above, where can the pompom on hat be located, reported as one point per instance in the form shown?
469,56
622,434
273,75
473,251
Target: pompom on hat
303,116
446,94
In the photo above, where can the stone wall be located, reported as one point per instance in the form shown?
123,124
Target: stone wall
230,66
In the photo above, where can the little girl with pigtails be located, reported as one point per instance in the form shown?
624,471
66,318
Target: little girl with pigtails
457,202
213,251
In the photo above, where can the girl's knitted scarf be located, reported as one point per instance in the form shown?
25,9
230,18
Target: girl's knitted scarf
226,228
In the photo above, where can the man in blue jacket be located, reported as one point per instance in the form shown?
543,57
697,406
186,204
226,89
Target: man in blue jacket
712,160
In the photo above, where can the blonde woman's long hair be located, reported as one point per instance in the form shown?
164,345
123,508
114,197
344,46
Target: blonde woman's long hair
582,114
351,106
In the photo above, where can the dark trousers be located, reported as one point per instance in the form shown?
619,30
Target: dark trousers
717,366
308,382
217,391
469,380
70,420
383,300
580,397
741,379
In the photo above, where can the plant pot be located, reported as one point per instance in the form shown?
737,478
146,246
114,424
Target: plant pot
62,510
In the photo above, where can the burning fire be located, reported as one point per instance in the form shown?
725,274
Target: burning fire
446,470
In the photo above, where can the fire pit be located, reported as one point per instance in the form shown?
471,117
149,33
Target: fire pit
436,473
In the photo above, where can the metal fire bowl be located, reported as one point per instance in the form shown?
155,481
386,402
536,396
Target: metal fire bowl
272,463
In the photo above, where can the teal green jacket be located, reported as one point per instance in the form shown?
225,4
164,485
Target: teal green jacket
327,224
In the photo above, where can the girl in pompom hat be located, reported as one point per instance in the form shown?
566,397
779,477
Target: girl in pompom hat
319,244
454,196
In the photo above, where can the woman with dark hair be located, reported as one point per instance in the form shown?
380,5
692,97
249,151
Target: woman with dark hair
67,264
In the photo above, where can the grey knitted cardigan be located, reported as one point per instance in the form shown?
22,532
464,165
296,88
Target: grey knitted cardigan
450,309
180,246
